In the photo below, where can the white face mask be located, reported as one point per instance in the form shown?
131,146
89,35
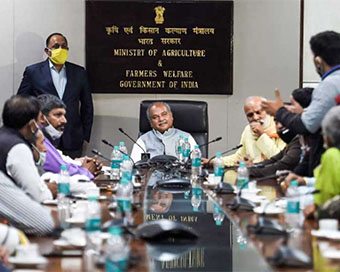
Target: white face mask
42,156
52,131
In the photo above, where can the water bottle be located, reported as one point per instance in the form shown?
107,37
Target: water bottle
123,148
186,149
126,168
93,235
63,200
116,252
196,197
196,166
242,176
179,148
218,215
124,197
218,167
116,159
292,216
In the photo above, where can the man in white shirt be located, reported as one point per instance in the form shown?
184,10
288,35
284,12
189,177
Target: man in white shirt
20,125
161,140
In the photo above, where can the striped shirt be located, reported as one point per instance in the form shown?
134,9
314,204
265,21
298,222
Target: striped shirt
21,211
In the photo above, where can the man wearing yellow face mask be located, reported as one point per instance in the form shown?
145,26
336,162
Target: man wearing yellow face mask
69,82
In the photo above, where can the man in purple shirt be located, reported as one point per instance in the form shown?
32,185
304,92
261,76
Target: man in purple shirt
53,123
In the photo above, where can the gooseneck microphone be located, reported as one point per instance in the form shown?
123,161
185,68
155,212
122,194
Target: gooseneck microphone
111,145
212,141
145,155
204,144
225,152
107,143
95,151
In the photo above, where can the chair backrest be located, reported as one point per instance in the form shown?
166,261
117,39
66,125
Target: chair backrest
189,116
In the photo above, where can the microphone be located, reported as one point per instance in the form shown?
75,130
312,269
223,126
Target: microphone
212,141
145,155
107,143
225,152
95,151
207,143
111,145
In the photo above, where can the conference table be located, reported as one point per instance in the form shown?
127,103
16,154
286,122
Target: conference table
224,242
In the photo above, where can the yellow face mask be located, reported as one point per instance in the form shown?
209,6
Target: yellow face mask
59,56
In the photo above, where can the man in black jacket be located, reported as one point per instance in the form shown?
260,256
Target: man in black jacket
69,82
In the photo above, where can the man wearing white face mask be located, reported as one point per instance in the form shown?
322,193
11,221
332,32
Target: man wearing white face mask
259,139
53,124
69,82
20,116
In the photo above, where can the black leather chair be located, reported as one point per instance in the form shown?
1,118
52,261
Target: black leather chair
189,116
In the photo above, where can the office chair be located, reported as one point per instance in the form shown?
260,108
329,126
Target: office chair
189,116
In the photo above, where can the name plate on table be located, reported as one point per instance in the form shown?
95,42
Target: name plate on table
152,47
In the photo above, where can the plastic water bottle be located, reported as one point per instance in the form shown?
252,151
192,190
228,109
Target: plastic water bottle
93,236
196,165
196,197
179,147
126,168
93,218
242,176
186,149
63,200
116,159
218,167
116,251
124,196
292,216
218,215
123,148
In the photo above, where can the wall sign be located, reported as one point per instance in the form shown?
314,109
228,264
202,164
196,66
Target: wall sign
153,47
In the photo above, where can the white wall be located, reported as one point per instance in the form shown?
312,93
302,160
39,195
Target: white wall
318,16
266,47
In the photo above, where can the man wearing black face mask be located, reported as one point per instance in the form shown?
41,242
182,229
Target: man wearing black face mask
326,56
288,158
20,117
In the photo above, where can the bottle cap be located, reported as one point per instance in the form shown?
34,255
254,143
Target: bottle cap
242,164
63,167
294,183
197,146
116,147
121,143
115,230
181,136
126,157
186,138
218,154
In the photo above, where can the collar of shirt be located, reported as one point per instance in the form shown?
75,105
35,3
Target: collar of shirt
330,71
166,134
52,67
